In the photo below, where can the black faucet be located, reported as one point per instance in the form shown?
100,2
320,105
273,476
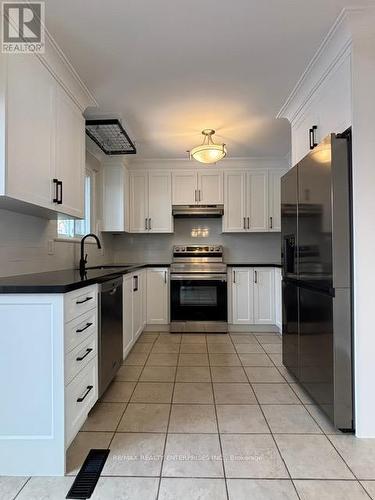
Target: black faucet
83,259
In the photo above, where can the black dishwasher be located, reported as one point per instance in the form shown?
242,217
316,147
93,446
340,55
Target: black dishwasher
110,331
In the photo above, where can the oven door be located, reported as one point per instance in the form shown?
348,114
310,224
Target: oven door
198,297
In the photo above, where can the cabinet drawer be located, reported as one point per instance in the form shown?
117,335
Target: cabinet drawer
80,396
79,302
79,357
79,329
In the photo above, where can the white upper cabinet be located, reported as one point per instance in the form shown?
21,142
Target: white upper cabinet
42,135
202,187
235,208
210,187
29,130
264,295
274,200
328,107
257,201
251,201
184,187
70,154
115,190
159,202
138,202
157,296
151,202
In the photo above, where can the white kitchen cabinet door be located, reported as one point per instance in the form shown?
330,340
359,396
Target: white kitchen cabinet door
127,298
157,296
257,201
300,131
115,198
334,100
274,200
144,297
138,202
234,219
278,299
264,295
30,131
160,202
242,296
70,154
184,187
210,187
137,305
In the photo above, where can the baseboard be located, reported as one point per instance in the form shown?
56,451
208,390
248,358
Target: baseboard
231,328
157,328
252,328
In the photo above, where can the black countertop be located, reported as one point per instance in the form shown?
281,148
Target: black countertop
66,280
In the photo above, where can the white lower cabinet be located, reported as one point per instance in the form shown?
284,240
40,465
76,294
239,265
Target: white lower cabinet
134,308
48,350
264,296
137,304
127,313
242,296
252,294
278,299
157,296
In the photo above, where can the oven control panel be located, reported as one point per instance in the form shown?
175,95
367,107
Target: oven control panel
198,249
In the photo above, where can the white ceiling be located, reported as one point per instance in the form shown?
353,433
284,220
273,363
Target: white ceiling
170,68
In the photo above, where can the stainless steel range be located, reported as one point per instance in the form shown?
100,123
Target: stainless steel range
198,289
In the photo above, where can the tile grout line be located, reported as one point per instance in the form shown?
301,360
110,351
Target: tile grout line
271,433
217,424
169,420
22,487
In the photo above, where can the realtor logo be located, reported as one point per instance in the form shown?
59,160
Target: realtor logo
22,27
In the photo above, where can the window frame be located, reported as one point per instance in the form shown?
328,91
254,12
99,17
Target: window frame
91,174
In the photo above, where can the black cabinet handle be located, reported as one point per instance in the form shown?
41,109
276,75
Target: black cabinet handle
271,223
234,276
80,358
60,198
82,398
56,197
255,276
80,330
312,139
83,301
135,287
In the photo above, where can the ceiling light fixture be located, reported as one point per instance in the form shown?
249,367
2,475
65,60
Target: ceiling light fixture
208,151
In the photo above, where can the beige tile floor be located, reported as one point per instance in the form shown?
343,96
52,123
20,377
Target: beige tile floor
213,417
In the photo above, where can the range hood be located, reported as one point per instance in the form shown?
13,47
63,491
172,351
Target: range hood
197,210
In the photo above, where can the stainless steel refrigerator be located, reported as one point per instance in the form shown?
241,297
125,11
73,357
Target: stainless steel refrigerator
317,272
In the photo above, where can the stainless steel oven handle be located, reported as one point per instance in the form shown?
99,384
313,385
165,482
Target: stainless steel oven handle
196,277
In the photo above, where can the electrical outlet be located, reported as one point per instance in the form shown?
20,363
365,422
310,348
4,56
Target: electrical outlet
51,247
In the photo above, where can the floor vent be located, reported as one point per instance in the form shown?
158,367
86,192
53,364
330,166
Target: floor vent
88,475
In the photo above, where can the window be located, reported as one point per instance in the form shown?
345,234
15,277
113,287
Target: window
71,228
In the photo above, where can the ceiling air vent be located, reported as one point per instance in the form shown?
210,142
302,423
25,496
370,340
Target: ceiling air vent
110,136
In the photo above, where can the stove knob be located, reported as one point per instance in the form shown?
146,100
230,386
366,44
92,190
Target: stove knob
177,249
217,249
183,249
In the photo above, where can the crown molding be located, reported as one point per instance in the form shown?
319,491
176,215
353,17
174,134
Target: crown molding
334,47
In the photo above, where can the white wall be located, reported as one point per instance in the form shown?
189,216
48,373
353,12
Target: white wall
364,216
24,240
